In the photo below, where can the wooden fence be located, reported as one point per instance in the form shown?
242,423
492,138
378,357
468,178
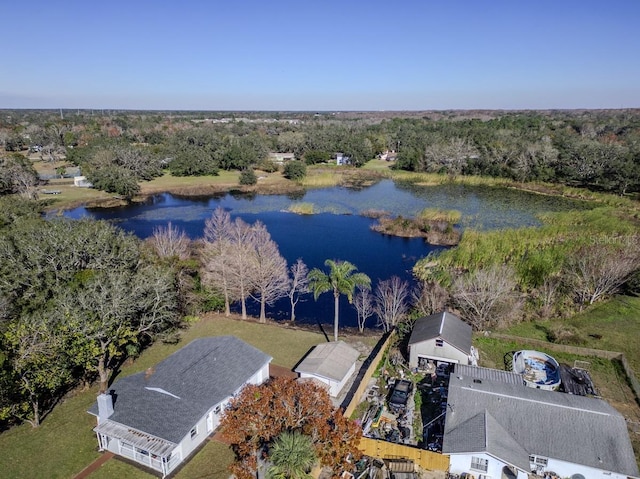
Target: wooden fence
364,382
427,460
387,450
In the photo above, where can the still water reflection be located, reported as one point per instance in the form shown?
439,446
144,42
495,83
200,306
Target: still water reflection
338,231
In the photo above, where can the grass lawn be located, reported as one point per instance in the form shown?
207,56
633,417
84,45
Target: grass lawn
65,444
609,326
211,462
115,467
168,181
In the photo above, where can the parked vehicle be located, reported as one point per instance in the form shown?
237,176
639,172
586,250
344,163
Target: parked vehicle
400,395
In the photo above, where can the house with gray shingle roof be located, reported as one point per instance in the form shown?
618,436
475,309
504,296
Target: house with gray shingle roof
159,417
440,337
497,427
331,363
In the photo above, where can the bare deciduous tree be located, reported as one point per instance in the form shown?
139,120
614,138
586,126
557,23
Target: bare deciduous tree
299,284
241,262
270,277
429,297
51,152
547,294
216,255
25,184
487,297
391,302
170,242
17,175
449,156
600,270
363,302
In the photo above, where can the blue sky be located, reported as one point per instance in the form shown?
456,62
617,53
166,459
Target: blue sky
320,55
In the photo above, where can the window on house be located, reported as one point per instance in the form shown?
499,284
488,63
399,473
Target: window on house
541,461
479,464
439,343
194,432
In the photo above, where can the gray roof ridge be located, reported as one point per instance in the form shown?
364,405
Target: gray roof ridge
465,424
520,451
486,428
537,401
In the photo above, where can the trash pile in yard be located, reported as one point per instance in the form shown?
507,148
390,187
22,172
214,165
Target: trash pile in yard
434,390
390,413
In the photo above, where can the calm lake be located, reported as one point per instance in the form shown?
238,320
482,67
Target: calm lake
338,231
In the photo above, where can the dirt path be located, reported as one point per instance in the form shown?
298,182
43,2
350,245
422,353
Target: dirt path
280,371
94,466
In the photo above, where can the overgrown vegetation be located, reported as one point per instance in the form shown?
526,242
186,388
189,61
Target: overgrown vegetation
575,259
302,208
438,232
436,215
74,304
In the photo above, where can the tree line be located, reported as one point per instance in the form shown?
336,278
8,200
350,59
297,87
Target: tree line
599,150
76,299
241,262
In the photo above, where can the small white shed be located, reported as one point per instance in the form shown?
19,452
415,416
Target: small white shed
331,363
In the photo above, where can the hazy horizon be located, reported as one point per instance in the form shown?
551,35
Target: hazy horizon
416,55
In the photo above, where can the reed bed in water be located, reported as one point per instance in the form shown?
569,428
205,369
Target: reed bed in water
437,214
301,208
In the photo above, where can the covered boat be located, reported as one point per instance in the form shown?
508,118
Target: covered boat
538,369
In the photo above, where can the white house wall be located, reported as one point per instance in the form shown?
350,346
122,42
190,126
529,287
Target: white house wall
567,469
344,381
120,448
188,445
459,463
334,386
428,349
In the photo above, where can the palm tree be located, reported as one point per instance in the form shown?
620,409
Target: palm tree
342,279
292,456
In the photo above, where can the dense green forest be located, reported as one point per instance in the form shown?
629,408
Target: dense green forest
599,150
